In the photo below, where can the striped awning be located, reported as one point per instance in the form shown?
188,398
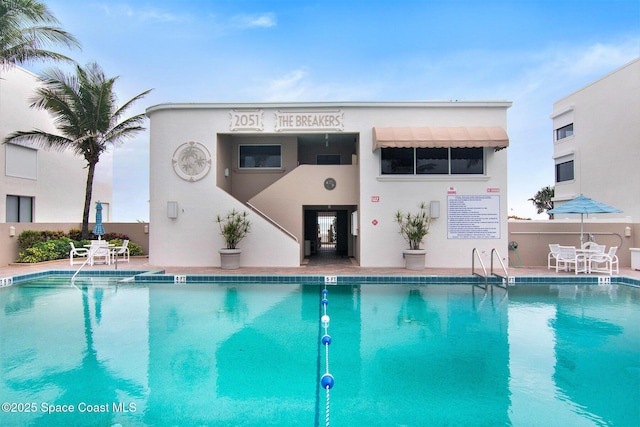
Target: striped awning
440,137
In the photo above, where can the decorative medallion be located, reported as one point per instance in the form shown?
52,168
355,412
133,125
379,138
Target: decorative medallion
329,183
191,161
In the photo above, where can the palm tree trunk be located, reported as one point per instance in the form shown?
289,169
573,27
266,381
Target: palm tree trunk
91,169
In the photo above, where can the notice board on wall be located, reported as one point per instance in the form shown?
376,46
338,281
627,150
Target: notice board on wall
473,216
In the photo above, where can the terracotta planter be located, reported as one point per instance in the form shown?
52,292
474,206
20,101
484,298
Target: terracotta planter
230,259
414,259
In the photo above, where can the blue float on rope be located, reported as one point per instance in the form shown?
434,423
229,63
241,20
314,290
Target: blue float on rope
326,339
325,301
327,381
324,292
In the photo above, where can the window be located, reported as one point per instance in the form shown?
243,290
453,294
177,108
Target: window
19,209
564,171
564,132
260,156
432,161
397,161
467,161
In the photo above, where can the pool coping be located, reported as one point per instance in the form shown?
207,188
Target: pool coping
159,276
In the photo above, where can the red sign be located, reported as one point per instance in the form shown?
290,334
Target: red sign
374,222
493,190
375,199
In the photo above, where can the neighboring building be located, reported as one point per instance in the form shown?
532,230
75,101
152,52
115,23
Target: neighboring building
596,134
40,185
293,164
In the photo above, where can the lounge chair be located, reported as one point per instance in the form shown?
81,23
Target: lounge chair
77,252
605,262
99,249
569,258
552,258
120,253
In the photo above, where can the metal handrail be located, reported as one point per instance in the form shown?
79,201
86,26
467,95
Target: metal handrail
78,271
474,251
506,274
272,221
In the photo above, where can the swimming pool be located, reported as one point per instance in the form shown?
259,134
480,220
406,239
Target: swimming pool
250,354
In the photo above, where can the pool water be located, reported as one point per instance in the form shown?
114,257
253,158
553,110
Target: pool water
251,355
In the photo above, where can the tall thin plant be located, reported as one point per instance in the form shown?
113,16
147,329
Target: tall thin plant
414,226
234,226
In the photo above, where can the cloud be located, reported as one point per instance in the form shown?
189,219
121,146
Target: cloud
143,14
290,87
266,20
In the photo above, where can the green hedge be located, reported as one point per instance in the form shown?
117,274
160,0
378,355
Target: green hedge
39,246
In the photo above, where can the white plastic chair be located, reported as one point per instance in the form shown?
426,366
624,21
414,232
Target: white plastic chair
99,249
569,258
121,253
77,252
605,262
552,258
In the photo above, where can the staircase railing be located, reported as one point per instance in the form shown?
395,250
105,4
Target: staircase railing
272,221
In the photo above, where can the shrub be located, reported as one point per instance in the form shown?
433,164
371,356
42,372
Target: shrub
29,238
45,251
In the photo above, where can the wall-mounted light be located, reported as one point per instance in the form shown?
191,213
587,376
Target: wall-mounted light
226,171
146,229
172,210
12,231
627,231
434,209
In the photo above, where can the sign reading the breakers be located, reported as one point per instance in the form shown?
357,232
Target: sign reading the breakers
309,120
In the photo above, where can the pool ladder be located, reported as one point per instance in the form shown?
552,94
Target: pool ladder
494,254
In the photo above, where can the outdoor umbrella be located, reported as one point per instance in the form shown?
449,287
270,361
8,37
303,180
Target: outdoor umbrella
583,205
98,229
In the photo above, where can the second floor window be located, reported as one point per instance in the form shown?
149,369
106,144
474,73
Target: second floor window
564,171
260,156
564,132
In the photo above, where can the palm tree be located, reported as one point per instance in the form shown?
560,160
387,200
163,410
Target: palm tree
27,27
85,112
543,200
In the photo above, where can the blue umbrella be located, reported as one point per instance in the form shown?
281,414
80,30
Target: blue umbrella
583,205
98,229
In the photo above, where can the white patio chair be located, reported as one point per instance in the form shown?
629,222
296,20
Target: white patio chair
120,253
77,252
552,258
605,262
99,250
570,259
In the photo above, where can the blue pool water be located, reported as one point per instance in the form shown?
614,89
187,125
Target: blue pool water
250,355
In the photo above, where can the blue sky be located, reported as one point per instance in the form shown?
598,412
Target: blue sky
529,52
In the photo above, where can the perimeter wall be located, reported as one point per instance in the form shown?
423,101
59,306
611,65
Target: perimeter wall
532,237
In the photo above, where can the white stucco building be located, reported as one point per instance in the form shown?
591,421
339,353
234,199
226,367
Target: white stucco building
596,134
290,164
40,185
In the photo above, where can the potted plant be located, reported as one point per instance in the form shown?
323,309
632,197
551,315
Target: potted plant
234,226
413,228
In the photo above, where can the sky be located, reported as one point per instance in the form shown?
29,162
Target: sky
531,53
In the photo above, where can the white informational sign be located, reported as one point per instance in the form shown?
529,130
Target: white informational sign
473,217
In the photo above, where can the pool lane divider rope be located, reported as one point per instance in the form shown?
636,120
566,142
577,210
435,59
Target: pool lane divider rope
327,381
